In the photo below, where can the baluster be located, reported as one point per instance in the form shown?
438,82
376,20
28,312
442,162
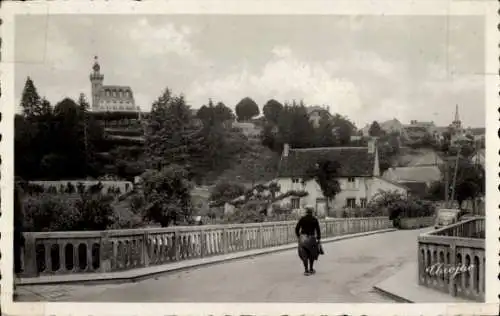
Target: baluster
114,255
48,262
275,236
203,245
426,264
243,243
260,236
481,273
225,240
62,257
89,256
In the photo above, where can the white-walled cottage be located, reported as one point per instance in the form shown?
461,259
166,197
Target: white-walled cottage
359,176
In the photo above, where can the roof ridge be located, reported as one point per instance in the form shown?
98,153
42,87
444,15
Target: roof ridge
323,148
115,86
414,167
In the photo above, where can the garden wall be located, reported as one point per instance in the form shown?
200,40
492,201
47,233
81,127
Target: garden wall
125,186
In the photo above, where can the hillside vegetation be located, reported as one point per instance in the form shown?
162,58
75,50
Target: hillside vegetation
408,157
256,164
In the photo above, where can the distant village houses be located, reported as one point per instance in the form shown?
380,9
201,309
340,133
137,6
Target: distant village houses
359,176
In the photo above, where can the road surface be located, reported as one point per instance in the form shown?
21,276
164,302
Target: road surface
345,274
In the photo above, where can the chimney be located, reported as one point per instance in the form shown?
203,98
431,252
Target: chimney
376,164
372,145
286,150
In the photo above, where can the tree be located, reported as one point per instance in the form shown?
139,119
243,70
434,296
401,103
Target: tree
172,137
55,142
223,113
470,180
210,114
294,127
272,110
398,205
343,129
83,107
325,136
26,162
246,109
46,109
68,140
375,130
204,113
30,100
226,191
216,146
167,195
437,191
326,174
467,150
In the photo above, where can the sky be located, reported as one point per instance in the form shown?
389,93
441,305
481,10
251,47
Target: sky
364,67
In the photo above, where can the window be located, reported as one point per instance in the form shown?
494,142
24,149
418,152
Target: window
351,179
295,180
362,203
351,202
295,203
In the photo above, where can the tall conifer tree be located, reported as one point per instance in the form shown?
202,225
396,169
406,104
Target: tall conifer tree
30,100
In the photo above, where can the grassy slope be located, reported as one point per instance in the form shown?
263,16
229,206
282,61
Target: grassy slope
258,164
409,157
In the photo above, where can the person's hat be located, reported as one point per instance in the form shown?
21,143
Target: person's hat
309,208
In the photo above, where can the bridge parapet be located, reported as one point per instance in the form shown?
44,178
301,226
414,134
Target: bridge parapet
58,253
452,259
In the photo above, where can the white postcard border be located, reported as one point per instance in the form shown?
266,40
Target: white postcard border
486,8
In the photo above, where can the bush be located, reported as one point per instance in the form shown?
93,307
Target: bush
70,188
225,191
80,188
47,212
137,203
281,209
95,212
167,194
398,205
119,222
95,188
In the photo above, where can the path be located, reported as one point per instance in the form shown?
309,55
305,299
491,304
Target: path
346,273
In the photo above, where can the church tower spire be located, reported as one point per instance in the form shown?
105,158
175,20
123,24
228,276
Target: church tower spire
456,122
96,79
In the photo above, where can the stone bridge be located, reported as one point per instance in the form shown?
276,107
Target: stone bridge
177,264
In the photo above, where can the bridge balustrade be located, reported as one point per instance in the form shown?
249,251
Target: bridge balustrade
57,253
461,245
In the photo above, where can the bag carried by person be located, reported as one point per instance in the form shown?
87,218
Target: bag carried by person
320,249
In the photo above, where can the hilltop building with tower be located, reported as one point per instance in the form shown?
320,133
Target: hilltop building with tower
109,98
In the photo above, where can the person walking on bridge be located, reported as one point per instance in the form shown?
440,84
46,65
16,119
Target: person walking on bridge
309,235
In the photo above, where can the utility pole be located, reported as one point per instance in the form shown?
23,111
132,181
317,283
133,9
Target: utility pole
455,176
446,183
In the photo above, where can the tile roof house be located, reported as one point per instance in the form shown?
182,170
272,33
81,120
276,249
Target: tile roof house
250,130
359,176
425,174
389,126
